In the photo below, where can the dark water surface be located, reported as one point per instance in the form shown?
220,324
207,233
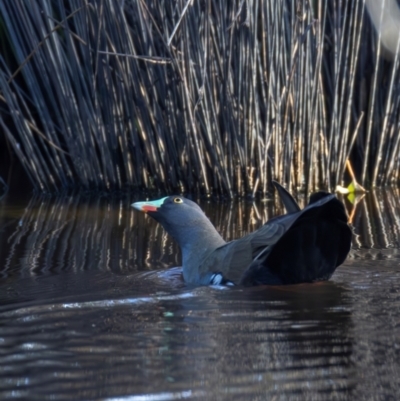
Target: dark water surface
88,310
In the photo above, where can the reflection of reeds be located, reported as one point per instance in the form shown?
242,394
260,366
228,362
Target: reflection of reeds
78,233
75,233
86,233
217,97
377,225
3,188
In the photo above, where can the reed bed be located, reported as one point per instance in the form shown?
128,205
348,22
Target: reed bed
201,96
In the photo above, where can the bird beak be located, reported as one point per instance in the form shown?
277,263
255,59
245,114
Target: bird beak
148,206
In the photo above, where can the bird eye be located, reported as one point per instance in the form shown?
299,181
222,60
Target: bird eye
178,200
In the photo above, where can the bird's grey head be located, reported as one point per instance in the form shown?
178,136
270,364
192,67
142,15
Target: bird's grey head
181,218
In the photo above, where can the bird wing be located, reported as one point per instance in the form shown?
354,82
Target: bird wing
316,243
235,257
256,244
232,259
288,201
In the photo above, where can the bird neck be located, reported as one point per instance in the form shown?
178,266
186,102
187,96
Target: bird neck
201,243
196,243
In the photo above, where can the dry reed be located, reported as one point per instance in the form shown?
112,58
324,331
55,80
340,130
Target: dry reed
197,95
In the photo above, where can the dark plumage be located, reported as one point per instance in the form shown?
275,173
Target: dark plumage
301,246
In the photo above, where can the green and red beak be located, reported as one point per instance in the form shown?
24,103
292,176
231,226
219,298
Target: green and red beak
148,206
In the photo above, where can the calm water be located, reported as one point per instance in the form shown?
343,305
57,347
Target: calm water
88,310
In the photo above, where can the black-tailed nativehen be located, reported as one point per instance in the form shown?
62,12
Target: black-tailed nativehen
299,247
